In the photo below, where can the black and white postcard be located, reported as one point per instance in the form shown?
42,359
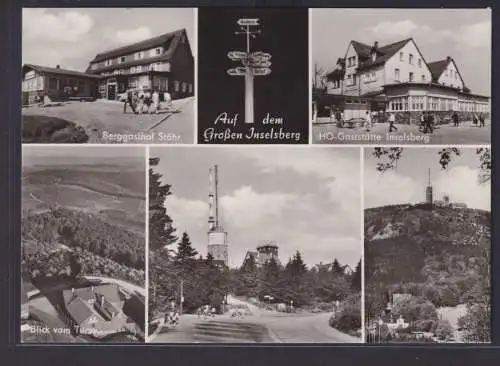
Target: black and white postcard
401,76
427,245
110,75
242,250
83,247
253,76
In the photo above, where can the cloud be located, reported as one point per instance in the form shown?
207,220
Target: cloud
187,214
388,29
68,26
469,35
127,36
475,35
339,171
389,188
247,208
461,184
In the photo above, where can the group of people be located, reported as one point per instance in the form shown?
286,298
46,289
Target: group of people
481,119
140,99
206,312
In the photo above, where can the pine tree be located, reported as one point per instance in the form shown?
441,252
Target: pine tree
356,278
161,231
185,251
337,268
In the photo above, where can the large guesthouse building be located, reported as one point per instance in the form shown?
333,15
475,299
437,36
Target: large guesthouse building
397,78
164,63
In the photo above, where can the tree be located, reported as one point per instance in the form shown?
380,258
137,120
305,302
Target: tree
389,157
444,331
185,251
337,269
161,230
75,265
476,323
356,278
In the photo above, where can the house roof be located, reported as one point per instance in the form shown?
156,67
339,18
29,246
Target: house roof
335,74
80,310
56,71
167,38
384,53
109,291
361,49
437,68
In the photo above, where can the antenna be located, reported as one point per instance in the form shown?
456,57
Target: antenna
216,192
429,176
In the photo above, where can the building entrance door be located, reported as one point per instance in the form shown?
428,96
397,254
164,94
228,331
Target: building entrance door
111,91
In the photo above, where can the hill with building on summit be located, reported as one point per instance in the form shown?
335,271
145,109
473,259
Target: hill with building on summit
438,256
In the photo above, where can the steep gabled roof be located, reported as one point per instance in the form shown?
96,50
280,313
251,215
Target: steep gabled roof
361,49
164,39
384,53
437,68
56,71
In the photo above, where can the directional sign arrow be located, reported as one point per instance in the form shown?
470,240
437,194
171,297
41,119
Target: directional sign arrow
245,22
261,71
259,55
236,72
260,64
237,55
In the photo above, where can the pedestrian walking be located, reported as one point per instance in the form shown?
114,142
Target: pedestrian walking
482,120
129,101
140,102
455,119
392,120
368,121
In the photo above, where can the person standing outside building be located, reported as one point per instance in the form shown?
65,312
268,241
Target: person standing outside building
392,120
368,122
129,101
168,99
455,119
155,101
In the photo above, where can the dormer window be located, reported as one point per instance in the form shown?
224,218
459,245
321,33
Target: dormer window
158,51
139,55
107,63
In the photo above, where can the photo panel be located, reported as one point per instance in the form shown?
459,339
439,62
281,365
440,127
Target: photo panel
401,76
113,75
253,76
83,244
427,245
242,250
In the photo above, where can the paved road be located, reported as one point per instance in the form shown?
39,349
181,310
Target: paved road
466,133
100,117
263,326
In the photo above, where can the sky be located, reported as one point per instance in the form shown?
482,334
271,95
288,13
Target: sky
71,37
306,198
463,34
407,183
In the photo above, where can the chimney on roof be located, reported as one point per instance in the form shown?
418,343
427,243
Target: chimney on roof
58,66
448,58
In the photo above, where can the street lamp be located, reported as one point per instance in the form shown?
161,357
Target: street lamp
255,64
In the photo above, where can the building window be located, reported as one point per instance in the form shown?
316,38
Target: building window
139,55
132,83
184,87
121,60
423,77
419,63
410,59
52,83
108,63
410,77
401,56
176,85
158,51
396,74
190,88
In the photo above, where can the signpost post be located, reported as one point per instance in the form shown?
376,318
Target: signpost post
255,64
